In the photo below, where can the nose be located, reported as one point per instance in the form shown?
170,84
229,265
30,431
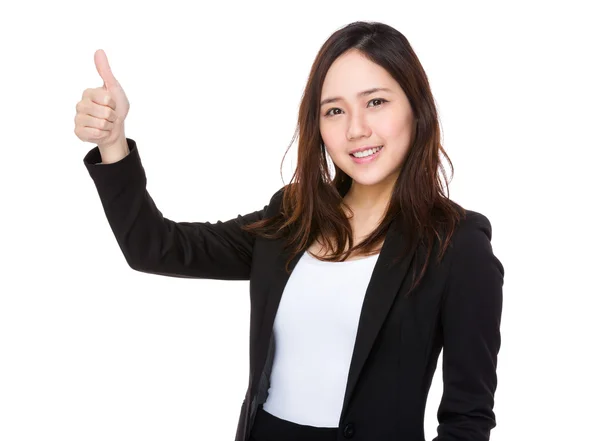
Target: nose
358,127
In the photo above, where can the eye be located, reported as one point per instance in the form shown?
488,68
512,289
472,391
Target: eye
328,113
379,99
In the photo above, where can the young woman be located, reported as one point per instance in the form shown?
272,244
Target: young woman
357,280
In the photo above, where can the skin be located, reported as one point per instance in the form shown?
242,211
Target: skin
379,118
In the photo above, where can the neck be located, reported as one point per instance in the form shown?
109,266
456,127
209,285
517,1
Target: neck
369,202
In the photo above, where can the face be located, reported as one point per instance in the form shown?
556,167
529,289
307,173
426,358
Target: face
350,120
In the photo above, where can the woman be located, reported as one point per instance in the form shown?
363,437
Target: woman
358,280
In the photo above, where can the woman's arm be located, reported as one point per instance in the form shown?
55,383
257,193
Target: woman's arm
154,244
471,314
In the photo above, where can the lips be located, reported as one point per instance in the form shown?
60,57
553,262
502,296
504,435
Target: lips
360,149
376,148
367,159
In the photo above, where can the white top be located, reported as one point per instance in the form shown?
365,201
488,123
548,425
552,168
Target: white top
315,329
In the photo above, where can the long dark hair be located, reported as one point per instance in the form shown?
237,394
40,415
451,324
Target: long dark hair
312,204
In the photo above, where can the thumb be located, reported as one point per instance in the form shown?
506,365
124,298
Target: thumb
104,70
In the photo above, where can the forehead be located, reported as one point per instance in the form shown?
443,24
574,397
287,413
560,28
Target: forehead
352,72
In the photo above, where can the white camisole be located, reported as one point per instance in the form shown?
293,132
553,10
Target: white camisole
315,330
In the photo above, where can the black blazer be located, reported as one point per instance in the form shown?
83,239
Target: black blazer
457,306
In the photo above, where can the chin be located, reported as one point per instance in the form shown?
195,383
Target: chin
366,181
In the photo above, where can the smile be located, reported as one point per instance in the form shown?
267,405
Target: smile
366,156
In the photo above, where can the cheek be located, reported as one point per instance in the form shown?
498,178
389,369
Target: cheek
390,129
331,134
335,141
336,152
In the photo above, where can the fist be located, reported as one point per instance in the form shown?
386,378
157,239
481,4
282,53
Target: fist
100,115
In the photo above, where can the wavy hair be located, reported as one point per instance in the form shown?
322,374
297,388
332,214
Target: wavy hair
313,205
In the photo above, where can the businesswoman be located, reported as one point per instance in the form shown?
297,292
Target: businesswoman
358,277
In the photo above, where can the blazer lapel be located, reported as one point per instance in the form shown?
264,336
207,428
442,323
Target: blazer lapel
381,293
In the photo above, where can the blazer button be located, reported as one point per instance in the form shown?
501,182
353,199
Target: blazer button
349,430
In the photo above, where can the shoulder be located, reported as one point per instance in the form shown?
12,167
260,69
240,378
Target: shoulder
473,227
277,197
276,201
471,251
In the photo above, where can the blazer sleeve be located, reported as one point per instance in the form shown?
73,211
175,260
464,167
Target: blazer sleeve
471,314
153,244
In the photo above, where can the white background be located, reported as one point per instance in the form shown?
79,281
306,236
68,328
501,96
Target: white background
92,350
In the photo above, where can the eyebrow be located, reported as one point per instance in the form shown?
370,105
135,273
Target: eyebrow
358,95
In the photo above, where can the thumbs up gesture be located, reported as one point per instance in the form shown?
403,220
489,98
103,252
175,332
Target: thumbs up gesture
101,112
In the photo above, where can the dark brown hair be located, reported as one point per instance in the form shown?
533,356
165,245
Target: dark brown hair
312,204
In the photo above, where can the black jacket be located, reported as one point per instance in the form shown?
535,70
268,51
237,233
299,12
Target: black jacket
457,306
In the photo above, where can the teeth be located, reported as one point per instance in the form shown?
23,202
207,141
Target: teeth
366,153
